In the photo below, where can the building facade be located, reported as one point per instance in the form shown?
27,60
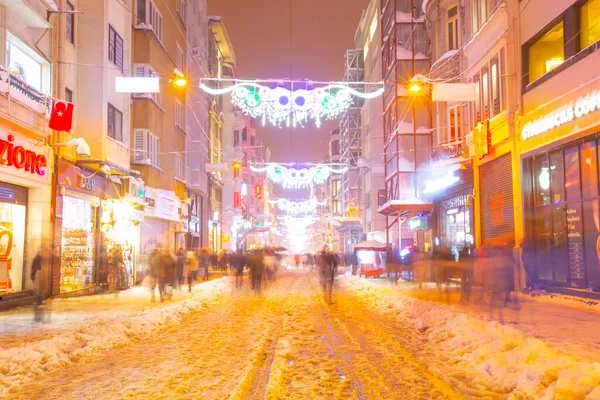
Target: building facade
26,83
557,139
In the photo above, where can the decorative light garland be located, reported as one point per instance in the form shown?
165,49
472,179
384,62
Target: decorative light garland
302,178
297,207
279,104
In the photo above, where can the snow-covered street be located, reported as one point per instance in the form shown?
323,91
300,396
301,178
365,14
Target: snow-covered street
373,342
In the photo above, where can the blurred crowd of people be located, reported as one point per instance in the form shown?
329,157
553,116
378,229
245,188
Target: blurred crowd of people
489,269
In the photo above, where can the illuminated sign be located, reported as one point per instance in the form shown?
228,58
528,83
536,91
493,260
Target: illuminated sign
583,106
417,223
19,158
544,178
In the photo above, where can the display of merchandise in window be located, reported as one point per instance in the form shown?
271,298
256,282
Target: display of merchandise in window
78,249
12,242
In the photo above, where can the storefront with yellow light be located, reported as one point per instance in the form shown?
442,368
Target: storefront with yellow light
559,142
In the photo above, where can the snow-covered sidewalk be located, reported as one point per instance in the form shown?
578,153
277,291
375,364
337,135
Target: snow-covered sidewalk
511,358
79,327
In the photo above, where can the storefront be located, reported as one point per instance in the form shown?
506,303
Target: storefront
194,236
559,148
162,223
25,197
80,227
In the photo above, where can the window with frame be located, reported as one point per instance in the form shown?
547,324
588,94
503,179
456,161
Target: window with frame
452,24
147,13
115,124
179,167
179,116
485,93
454,128
495,87
180,59
590,22
252,140
547,52
146,148
115,48
236,138
68,95
70,22
180,7
244,135
143,70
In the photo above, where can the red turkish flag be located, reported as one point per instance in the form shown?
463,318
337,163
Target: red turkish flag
61,117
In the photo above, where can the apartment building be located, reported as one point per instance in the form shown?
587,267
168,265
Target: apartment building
158,128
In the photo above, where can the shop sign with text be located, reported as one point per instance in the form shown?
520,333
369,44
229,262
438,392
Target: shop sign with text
581,107
19,157
167,205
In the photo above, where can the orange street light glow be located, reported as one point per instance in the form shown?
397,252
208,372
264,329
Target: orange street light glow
415,88
180,82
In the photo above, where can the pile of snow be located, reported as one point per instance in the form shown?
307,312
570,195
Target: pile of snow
32,360
496,354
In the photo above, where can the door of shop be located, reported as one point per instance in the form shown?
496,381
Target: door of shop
497,210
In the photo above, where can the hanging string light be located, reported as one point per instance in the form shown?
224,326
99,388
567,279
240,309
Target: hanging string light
280,105
298,178
297,207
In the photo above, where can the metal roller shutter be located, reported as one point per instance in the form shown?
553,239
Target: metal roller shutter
497,208
13,194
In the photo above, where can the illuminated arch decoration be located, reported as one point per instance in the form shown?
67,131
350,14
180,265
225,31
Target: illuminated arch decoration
297,207
280,105
297,224
298,178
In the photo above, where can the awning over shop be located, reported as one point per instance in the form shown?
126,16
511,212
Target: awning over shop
407,207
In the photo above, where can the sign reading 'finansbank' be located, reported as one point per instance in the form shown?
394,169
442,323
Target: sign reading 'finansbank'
584,105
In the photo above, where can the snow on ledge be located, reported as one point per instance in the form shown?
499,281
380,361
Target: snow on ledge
490,353
20,364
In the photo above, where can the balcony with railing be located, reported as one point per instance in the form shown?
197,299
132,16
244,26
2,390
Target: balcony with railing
449,151
22,102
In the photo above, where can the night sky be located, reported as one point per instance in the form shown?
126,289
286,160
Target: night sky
322,30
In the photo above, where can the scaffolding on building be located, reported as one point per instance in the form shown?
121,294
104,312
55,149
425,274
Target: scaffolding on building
350,134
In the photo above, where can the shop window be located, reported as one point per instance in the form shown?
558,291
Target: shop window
24,63
589,169
544,243
115,123
70,22
542,181
452,24
560,255
12,230
572,176
590,23
557,177
591,227
115,48
547,52
78,250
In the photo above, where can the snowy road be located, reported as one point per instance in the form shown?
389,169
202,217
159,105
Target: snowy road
286,343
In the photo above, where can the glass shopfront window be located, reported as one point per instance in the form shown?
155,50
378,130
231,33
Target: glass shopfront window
13,211
456,222
78,246
565,214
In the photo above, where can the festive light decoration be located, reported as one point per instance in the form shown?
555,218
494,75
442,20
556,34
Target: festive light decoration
279,105
297,207
302,178
297,223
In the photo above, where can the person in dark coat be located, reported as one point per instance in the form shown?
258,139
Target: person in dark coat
154,265
179,266
328,264
41,265
237,262
169,266
256,264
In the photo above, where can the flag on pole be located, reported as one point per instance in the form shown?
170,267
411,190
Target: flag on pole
61,117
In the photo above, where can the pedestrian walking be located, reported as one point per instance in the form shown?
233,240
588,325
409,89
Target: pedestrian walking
156,273
328,264
169,266
179,265
190,268
237,262
256,265
205,262
40,267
